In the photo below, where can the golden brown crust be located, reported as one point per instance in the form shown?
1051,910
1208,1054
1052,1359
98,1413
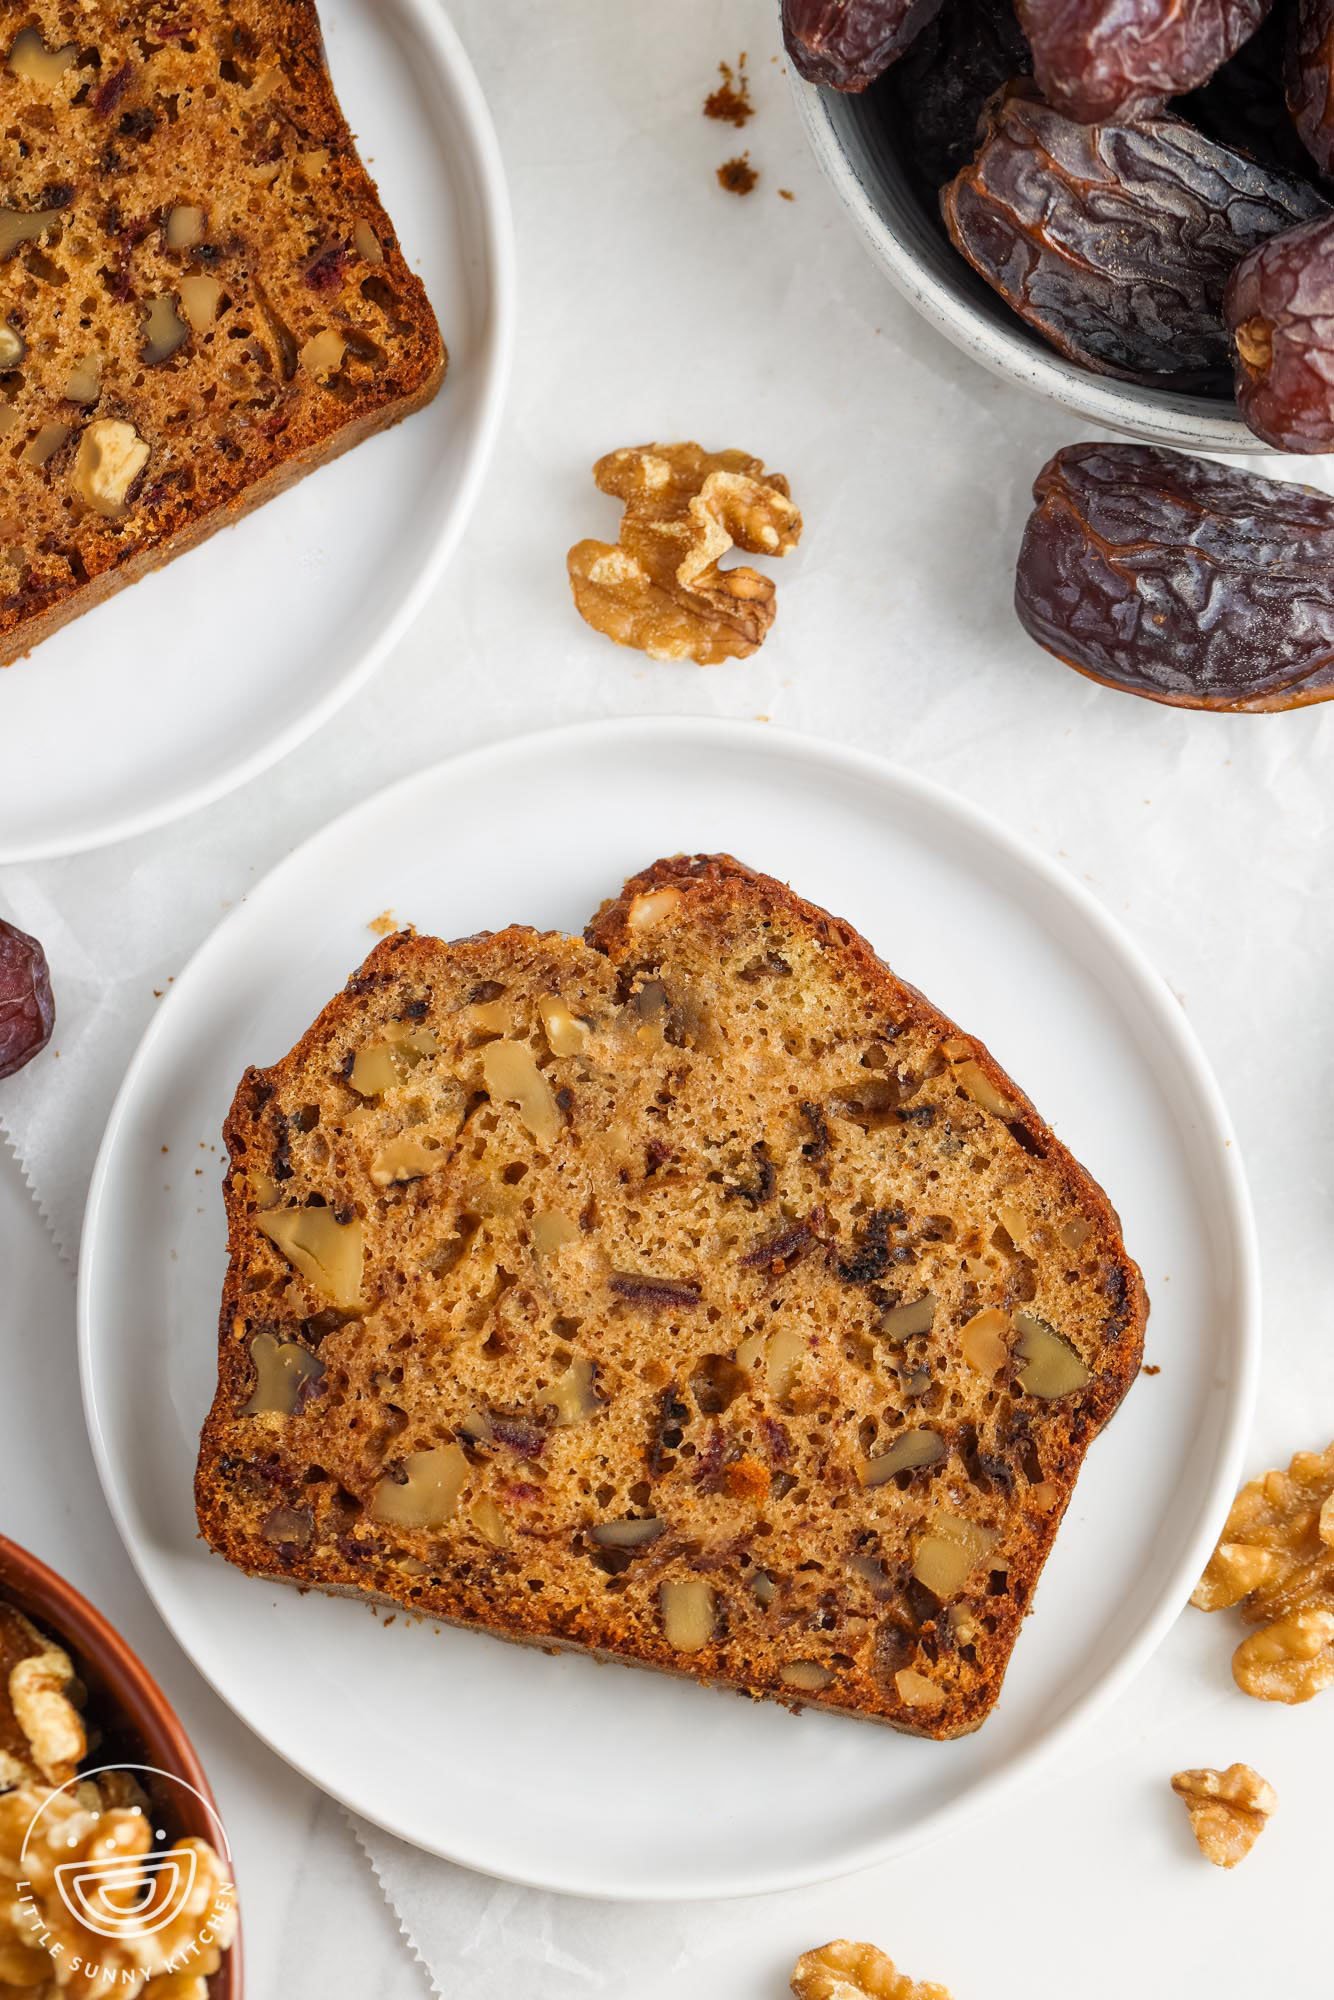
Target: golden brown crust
231,117
688,981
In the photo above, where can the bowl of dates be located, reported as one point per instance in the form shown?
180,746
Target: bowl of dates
1066,188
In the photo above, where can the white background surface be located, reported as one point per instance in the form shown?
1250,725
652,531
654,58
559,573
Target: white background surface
652,304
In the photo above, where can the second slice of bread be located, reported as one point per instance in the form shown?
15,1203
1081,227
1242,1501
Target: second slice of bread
203,297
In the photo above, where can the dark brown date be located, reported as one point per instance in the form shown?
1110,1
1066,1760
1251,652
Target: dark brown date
849,43
1243,104
1280,308
1177,578
1115,242
1100,59
1308,76
932,99
27,1011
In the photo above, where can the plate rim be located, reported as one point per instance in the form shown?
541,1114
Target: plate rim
1235,1208
476,128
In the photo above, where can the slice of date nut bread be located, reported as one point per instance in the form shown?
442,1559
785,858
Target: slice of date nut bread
696,1294
202,298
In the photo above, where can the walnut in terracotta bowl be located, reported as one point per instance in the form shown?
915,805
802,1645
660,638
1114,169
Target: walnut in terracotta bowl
113,1870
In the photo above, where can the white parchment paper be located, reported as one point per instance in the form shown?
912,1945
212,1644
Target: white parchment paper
655,305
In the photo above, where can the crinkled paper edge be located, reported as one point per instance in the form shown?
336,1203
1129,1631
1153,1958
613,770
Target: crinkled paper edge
394,1911
67,1252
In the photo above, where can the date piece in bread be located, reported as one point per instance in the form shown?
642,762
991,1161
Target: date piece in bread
695,1294
201,296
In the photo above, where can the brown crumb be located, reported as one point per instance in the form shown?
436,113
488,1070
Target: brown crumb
730,103
1152,1368
737,176
384,925
786,194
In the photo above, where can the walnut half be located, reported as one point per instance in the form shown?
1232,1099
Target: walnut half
39,1695
841,1970
1275,1560
660,588
1229,1810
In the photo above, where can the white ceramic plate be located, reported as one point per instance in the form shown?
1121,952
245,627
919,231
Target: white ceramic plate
202,675
599,1779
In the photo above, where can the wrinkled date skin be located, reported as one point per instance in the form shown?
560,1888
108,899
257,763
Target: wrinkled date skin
932,99
1308,75
1098,59
27,1011
1280,308
1115,242
849,43
1189,582
1243,104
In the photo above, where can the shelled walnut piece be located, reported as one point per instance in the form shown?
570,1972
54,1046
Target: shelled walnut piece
42,1735
41,1940
1275,1561
1229,1810
842,1970
660,588
615,1292
203,298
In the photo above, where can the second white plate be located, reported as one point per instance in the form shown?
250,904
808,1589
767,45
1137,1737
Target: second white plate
206,672
597,1779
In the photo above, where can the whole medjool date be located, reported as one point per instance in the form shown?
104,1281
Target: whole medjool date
1099,59
1280,308
1115,242
1181,579
849,43
27,1010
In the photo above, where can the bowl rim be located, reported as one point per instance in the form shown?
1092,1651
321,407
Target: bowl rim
1155,416
45,1596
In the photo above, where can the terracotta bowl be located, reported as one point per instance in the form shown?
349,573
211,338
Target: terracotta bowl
128,1703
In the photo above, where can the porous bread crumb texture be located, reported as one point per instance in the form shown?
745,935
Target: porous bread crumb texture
201,296
741,1318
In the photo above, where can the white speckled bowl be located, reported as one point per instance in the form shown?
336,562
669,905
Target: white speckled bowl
851,143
